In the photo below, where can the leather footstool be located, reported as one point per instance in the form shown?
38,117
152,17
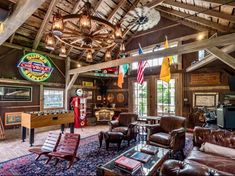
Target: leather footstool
111,137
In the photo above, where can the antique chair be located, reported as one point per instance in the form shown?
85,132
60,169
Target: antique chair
170,133
49,145
67,148
126,125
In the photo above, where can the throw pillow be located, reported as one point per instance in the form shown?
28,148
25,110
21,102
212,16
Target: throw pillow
217,149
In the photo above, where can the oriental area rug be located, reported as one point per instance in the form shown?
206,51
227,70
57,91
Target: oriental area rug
90,155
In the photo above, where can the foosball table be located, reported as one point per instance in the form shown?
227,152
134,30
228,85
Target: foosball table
34,120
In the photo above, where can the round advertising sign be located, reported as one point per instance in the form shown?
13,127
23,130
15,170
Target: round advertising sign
35,67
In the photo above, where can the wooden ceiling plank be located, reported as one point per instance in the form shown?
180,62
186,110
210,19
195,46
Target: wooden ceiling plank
222,56
201,10
45,22
227,2
209,59
154,3
24,9
120,3
194,19
187,48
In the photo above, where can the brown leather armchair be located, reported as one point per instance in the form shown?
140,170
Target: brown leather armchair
125,124
170,133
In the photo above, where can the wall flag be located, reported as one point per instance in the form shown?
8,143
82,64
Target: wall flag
35,67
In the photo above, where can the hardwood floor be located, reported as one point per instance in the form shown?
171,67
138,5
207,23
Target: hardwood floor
12,147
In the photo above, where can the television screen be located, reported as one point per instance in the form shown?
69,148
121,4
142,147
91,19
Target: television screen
231,83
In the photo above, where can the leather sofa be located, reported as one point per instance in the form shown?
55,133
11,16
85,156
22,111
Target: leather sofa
125,124
169,133
200,163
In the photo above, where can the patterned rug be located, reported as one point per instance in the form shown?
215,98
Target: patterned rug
90,157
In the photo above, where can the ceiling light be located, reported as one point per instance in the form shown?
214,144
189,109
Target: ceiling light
200,37
50,41
122,48
57,24
63,51
78,65
89,57
107,56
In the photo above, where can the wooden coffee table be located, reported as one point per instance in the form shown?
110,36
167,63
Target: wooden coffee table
148,168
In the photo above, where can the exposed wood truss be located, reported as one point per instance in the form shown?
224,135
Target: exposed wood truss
23,10
210,58
44,23
187,48
224,57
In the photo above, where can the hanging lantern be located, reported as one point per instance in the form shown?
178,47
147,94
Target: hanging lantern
122,48
107,56
57,24
118,33
89,56
50,41
85,23
63,51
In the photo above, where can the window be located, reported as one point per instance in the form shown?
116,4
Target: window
165,97
140,98
201,54
153,62
53,98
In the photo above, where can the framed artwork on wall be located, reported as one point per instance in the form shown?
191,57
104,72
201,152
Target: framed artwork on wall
205,99
15,93
12,118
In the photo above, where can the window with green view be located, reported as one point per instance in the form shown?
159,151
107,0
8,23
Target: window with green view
165,97
140,98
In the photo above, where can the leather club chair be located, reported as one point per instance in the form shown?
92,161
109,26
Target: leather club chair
170,133
125,124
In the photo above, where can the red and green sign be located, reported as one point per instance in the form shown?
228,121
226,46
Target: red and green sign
35,67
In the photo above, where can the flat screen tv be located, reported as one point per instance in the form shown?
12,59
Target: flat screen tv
231,83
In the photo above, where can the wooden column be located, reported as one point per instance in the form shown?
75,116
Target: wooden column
41,97
67,79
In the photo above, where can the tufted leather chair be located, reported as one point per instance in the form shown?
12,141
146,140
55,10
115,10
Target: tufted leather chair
125,124
202,163
170,133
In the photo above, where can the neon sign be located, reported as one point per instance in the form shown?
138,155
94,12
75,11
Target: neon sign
35,67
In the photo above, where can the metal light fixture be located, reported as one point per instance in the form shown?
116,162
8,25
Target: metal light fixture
89,56
107,56
50,41
57,24
118,33
85,23
63,51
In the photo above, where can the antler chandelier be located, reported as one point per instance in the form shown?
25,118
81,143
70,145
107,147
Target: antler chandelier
84,31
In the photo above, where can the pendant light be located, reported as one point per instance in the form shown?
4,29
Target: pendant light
89,57
107,56
57,24
50,41
63,51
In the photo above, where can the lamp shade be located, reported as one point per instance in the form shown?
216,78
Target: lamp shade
50,41
57,24
107,56
63,51
85,23
89,57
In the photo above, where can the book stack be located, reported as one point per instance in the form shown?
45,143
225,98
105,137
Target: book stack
149,149
128,165
142,157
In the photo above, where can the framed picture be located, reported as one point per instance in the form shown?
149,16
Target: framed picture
15,93
12,118
205,99
87,84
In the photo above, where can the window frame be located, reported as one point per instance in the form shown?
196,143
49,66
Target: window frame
53,89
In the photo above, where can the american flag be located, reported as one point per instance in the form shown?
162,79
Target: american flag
141,67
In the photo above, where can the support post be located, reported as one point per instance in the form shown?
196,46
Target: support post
67,79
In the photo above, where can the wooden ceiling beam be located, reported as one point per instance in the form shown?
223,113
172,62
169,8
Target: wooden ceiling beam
201,10
187,48
222,56
195,19
45,22
210,58
24,9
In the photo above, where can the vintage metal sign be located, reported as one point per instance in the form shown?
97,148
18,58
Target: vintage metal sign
35,67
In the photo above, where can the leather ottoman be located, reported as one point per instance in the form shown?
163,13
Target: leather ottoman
111,137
